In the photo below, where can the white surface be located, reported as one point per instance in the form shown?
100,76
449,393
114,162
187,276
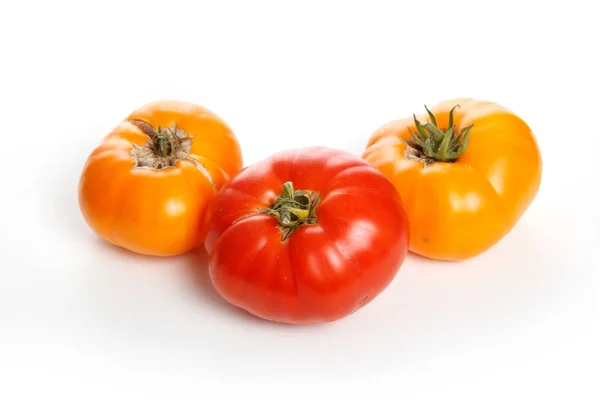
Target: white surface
81,319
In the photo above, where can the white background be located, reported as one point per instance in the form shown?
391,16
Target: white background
81,319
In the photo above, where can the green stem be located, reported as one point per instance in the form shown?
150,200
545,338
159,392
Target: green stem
293,208
431,144
288,191
162,145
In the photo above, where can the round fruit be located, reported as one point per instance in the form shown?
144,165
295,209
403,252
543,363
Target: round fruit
306,236
466,171
146,187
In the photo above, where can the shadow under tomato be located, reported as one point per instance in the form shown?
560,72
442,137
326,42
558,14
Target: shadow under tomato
429,262
194,266
138,258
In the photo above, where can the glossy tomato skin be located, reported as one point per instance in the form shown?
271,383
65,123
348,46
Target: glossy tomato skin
321,272
458,210
157,212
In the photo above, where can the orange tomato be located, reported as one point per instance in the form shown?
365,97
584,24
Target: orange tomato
466,170
146,187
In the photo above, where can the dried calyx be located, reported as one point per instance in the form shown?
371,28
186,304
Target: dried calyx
164,148
293,208
431,144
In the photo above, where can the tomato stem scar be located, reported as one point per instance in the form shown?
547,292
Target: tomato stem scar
164,148
293,208
430,144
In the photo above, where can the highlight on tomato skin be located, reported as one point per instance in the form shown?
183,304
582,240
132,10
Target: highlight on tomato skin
306,236
147,185
467,171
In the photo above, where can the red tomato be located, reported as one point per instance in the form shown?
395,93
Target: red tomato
307,236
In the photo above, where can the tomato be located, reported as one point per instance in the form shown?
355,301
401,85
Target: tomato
467,170
147,186
306,236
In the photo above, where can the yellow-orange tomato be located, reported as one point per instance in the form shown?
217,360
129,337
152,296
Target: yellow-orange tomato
146,187
464,193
